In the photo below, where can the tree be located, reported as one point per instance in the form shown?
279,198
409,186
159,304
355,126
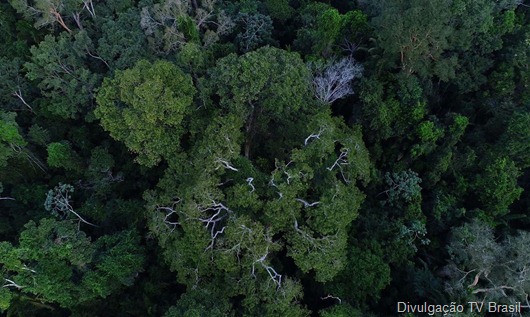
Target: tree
515,141
335,81
256,30
279,9
147,107
12,142
418,32
56,263
172,23
364,277
14,88
267,86
324,29
58,67
122,43
496,187
62,155
58,203
48,12
403,186
483,268
437,39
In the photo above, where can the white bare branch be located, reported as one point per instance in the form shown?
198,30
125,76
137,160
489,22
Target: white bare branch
329,296
97,57
225,164
275,277
169,213
271,183
307,204
341,161
11,283
89,6
58,201
315,244
25,267
334,82
18,93
214,214
314,136
249,182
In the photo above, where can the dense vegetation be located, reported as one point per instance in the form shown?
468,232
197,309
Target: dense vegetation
262,157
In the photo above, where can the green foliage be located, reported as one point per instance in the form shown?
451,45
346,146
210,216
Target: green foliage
402,186
343,310
122,43
39,135
11,140
365,276
62,155
58,263
324,28
515,142
255,193
58,67
269,87
279,9
497,187
256,30
146,107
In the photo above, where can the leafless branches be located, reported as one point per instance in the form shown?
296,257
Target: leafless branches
329,296
306,204
334,82
18,93
314,136
89,6
11,283
340,162
225,164
275,277
249,182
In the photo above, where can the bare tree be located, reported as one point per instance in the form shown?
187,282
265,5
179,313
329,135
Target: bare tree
335,80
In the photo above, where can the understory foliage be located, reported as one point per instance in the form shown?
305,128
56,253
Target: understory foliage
262,157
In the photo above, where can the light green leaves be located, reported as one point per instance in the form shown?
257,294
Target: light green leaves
146,107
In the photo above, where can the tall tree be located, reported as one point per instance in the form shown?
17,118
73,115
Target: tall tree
146,107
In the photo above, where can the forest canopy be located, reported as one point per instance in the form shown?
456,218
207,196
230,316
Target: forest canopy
263,157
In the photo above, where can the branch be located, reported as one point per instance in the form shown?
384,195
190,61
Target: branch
12,284
306,204
314,136
18,93
275,277
97,57
249,182
89,6
332,297
220,212
226,165
485,290
341,160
